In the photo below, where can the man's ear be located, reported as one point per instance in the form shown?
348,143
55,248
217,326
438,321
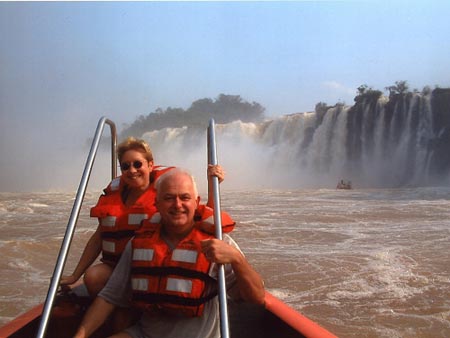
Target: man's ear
150,165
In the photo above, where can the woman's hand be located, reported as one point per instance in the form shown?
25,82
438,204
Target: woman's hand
67,280
216,170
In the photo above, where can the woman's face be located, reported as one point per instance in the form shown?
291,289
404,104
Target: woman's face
135,169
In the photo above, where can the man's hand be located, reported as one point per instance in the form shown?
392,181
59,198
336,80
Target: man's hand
219,252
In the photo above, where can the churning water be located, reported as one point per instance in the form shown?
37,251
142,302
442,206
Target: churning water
361,263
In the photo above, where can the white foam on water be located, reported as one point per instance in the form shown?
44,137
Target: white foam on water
371,262
38,205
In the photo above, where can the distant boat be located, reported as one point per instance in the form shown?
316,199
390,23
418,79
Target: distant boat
344,185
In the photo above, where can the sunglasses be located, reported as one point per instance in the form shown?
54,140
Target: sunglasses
127,165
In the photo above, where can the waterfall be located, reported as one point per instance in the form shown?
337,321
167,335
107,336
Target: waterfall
387,142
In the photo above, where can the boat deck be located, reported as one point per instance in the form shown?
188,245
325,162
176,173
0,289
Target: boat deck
246,320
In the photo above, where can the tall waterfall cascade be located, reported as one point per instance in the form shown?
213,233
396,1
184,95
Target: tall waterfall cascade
383,142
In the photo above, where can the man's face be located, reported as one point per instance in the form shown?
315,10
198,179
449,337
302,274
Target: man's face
176,202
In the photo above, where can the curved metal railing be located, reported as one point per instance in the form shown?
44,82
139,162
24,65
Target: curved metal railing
51,294
212,159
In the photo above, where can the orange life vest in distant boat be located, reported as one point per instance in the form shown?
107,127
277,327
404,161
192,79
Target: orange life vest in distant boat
165,281
119,222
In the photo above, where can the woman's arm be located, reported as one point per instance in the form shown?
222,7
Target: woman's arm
213,170
90,253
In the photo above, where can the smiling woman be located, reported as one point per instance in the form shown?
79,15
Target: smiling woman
136,171
126,202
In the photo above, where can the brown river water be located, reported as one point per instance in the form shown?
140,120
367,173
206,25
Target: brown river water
361,263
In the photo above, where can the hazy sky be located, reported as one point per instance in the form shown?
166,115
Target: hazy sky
63,65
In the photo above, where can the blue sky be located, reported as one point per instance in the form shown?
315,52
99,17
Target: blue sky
63,65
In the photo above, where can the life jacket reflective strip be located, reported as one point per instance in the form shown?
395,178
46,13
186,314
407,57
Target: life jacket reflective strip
170,281
118,222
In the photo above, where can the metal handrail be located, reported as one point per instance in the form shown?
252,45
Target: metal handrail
51,294
212,159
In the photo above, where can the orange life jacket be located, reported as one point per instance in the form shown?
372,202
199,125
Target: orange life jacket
204,220
119,222
170,281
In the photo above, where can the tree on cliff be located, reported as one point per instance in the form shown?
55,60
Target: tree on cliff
367,93
224,109
400,87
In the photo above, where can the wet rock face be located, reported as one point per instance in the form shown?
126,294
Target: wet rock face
440,145
411,126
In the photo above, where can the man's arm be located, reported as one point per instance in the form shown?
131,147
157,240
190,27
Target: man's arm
96,315
249,282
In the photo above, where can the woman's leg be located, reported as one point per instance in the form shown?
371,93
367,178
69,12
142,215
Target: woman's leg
95,278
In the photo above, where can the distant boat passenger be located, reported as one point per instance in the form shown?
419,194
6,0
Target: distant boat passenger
344,185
